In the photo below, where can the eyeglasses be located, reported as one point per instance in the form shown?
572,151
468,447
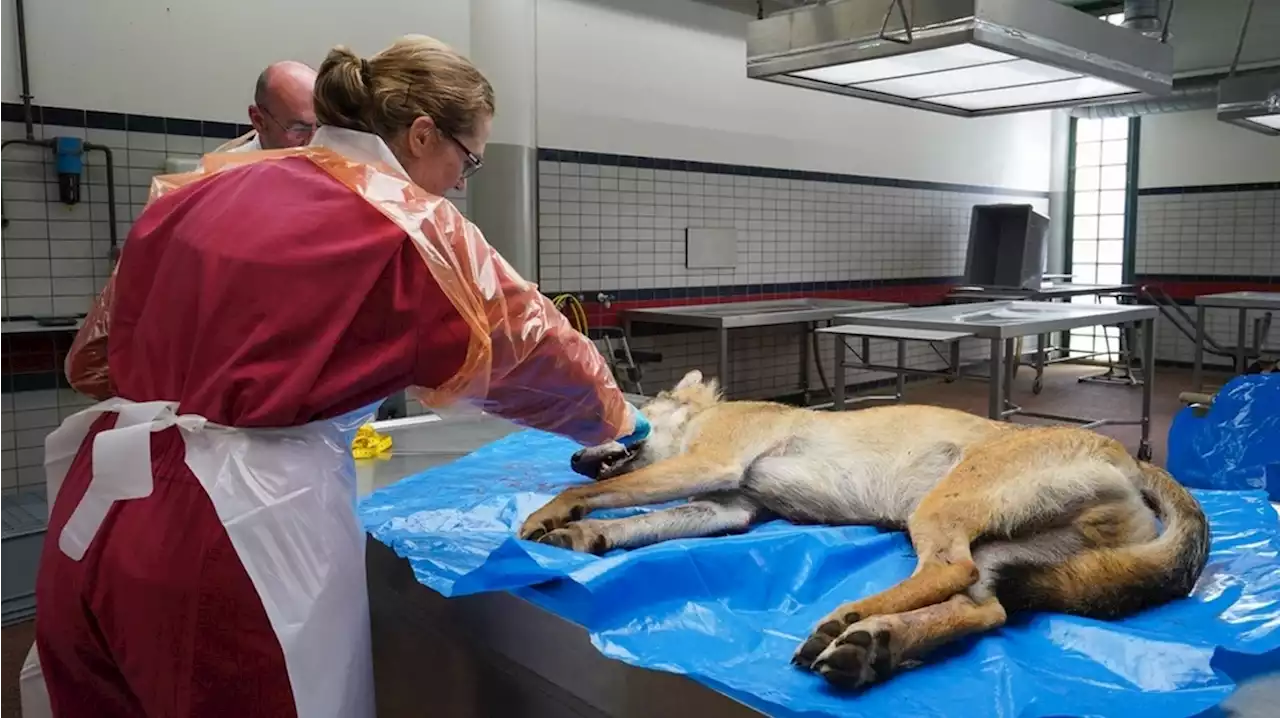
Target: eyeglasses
296,129
472,163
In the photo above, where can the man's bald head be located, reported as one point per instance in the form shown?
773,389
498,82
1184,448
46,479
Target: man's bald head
283,110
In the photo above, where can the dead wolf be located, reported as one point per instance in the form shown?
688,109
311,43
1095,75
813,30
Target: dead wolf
1002,518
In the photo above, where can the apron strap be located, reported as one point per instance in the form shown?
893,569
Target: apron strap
121,462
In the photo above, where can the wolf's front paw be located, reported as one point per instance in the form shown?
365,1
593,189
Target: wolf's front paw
867,652
827,631
580,536
554,515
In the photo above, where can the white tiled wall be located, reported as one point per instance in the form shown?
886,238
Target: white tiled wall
610,228
25,419
1229,233
1203,235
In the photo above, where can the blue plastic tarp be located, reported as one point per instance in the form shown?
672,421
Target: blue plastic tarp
730,611
1236,446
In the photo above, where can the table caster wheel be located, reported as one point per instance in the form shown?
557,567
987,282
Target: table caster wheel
1144,452
1037,387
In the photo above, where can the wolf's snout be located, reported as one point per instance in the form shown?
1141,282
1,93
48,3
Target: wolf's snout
598,462
584,465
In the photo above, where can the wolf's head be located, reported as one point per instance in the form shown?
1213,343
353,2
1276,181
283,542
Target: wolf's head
669,414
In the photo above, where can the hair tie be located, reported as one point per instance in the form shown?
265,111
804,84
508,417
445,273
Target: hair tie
366,73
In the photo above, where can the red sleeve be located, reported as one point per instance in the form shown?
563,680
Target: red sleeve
543,373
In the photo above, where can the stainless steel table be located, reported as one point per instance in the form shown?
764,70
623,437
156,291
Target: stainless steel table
1062,290
1051,292
497,654
494,654
847,326
1242,302
804,312
1003,322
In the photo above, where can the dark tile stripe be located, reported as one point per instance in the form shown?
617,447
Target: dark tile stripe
146,123
35,381
657,163
106,120
1209,188
223,130
93,119
744,290
12,112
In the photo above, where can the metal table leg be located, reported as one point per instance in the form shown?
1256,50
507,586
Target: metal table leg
955,360
723,369
1042,341
1241,333
995,403
1197,367
1148,377
1012,359
901,383
837,391
805,330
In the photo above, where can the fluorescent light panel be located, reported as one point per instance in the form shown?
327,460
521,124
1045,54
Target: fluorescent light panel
1251,101
1272,121
915,63
1079,88
966,77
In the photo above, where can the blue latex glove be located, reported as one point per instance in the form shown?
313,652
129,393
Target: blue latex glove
641,431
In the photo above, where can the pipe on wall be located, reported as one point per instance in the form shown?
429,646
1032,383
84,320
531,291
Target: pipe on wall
28,118
26,76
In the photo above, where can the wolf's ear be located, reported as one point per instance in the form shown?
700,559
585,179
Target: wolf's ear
693,378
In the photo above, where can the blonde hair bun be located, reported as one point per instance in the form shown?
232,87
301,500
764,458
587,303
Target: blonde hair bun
416,76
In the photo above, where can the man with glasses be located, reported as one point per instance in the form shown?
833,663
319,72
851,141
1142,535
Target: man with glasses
282,113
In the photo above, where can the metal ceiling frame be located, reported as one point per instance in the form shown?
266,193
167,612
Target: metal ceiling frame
1044,31
1244,97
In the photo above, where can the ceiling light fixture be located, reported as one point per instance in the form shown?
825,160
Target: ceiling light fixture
959,57
1250,101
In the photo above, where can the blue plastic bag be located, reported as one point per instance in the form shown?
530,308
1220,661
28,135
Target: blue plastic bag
730,611
1236,446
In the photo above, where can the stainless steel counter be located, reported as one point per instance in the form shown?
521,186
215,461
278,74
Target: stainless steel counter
1002,323
498,654
804,312
1064,290
1242,303
740,315
494,654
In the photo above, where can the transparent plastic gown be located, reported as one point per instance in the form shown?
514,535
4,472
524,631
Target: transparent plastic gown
525,361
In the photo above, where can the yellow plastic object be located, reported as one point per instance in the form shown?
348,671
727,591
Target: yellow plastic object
369,443
572,308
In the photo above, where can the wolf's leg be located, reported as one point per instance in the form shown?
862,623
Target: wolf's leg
941,532
680,477
1022,479
873,649
711,516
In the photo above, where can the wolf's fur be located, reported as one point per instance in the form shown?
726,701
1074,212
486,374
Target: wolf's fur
1002,518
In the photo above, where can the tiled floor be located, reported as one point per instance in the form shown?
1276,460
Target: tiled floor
1062,394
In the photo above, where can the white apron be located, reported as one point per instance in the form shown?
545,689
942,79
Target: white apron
287,500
